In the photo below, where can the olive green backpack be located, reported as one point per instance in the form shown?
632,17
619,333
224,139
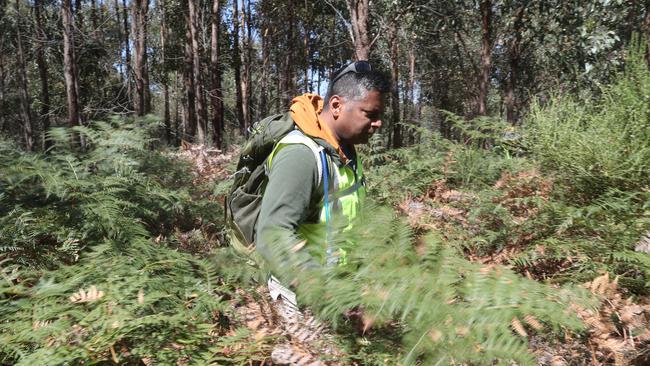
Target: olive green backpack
243,204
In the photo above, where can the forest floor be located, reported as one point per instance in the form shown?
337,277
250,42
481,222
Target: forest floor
618,333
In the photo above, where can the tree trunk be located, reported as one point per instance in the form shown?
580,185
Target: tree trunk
139,9
177,122
94,21
514,56
236,64
127,51
216,95
69,64
189,111
245,61
165,79
486,57
359,10
2,81
305,43
288,86
201,111
42,71
118,21
394,88
647,32
408,113
21,77
264,83
3,4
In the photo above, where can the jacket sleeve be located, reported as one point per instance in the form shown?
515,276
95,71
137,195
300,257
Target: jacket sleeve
291,188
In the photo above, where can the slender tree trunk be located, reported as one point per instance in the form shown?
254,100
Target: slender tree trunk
139,9
264,83
216,95
21,76
3,4
94,21
177,98
78,14
486,57
202,114
127,50
236,64
408,115
245,61
305,44
189,111
394,91
69,64
647,32
165,78
359,10
288,86
514,55
42,71
118,21
2,81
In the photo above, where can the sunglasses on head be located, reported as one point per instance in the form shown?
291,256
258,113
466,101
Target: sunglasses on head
355,67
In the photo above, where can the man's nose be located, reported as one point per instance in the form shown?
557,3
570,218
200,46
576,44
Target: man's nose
376,124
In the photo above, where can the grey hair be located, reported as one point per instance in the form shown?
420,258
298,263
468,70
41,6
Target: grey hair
355,86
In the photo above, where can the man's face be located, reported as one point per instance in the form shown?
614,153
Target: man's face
359,119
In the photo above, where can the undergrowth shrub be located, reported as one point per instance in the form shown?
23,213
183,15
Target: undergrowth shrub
90,271
53,205
407,172
598,145
142,303
598,152
444,309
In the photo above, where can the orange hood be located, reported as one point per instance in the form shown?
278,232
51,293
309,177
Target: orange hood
305,111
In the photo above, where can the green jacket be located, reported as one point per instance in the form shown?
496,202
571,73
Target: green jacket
293,200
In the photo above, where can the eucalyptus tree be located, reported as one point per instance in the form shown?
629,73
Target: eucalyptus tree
41,49
21,76
69,62
139,22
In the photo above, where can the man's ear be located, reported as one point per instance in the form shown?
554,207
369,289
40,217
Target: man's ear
335,105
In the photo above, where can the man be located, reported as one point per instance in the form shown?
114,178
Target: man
309,194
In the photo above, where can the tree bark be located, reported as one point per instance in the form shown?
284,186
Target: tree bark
647,32
216,95
189,111
202,114
305,43
21,76
42,71
2,80
264,82
165,79
514,56
94,21
127,51
78,15
246,61
139,9
236,64
359,10
177,108
3,4
486,57
408,113
288,84
69,61
394,88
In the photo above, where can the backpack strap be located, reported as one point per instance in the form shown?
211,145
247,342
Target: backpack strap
297,137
